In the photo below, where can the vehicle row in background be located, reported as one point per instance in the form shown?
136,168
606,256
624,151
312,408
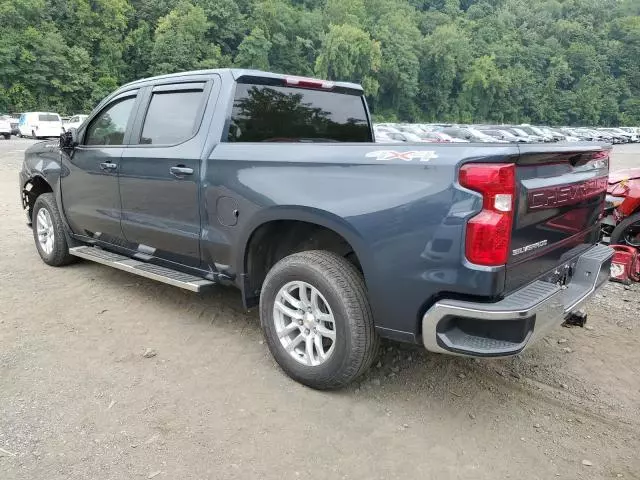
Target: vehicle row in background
37,124
444,132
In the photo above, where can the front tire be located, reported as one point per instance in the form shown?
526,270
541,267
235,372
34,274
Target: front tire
317,320
7,136
48,232
627,232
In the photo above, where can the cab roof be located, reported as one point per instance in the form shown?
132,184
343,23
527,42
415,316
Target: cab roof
236,74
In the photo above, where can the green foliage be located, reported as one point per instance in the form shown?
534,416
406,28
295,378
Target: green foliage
349,53
538,61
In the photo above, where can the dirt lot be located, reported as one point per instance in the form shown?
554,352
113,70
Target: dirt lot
78,400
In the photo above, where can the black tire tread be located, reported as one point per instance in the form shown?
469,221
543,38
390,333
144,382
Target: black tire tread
60,255
352,291
622,226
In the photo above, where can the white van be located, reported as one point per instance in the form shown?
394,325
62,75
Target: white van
40,124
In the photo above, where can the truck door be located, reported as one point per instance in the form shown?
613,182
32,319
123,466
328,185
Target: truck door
160,172
90,195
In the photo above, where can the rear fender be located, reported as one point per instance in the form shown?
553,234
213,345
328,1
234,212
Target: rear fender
315,216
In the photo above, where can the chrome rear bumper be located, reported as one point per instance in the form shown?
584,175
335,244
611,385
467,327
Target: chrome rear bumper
507,327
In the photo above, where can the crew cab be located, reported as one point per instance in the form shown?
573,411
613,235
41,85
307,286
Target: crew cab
274,184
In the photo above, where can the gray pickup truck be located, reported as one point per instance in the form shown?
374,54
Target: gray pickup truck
274,184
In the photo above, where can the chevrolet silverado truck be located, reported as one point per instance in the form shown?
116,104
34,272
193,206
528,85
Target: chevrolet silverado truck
274,184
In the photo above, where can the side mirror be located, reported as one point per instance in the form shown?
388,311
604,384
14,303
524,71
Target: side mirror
69,139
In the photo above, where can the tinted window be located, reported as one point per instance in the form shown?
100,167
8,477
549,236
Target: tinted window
171,117
109,126
48,117
281,114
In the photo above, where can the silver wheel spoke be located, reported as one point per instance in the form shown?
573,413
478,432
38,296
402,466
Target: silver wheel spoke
304,298
302,314
295,342
42,220
294,302
319,348
45,231
324,317
288,311
314,301
309,351
325,332
288,329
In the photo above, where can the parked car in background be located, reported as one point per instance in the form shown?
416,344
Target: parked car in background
40,125
504,135
470,134
633,130
73,122
555,135
15,121
631,137
531,130
5,126
601,136
523,135
448,138
581,134
387,137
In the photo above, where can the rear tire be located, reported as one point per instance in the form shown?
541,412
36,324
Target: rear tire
618,234
339,287
7,136
49,233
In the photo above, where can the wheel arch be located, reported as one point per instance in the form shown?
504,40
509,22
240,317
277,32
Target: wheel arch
288,230
35,186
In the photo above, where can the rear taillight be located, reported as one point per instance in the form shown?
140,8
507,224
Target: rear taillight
488,234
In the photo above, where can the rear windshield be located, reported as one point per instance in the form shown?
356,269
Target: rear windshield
48,117
264,113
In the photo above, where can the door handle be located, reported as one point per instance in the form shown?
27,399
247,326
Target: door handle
108,166
180,171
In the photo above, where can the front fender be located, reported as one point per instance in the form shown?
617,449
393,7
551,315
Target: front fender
43,160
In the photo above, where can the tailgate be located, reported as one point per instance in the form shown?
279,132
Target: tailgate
560,197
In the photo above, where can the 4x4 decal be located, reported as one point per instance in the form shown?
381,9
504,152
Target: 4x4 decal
421,155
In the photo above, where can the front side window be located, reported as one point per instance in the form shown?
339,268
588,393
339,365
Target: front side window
266,113
109,127
171,117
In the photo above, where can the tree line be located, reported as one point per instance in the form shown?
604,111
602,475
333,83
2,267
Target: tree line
558,62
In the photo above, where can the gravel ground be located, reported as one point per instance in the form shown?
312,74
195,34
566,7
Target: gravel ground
104,375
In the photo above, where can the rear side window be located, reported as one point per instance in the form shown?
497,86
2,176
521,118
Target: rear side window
264,113
48,117
171,117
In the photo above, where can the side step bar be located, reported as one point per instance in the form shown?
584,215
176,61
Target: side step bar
148,270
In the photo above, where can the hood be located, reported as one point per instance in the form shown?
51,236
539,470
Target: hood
626,174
